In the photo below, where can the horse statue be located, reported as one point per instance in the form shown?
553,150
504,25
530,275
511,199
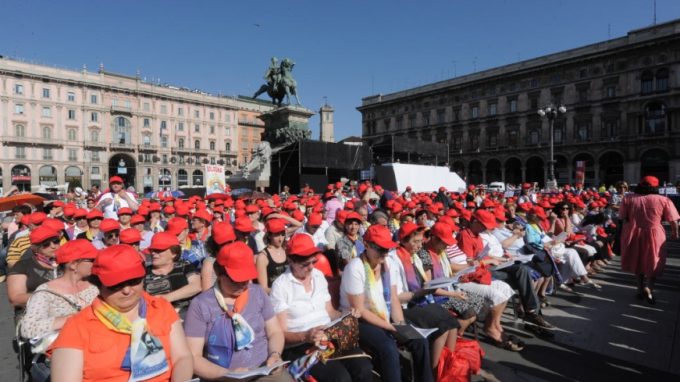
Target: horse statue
280,82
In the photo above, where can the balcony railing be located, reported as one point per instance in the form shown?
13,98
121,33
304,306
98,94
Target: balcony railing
122,146
147,148
95,144
30,141
225,153
118,109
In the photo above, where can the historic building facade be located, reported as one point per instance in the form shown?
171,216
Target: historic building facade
60,126
623,118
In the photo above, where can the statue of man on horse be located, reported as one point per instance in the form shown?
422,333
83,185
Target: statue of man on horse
280,82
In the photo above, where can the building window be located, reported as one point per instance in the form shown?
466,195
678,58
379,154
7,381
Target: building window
71,134
197,128
146,106
164,125
20,153
180,111
46,132
71,97
147,122
46,111
165,159
123,131
212,129
513,105
94,170
426,118
662,80
164,109
492,140
610,91
71,114
93,99
47,154
197,144
182,177
492,108
513,138
19,89
212,115
534,137
227,146
46,93
533,103
164,142
95,157
583,94
19,108
558,134
94,116
19,130
212,145
197,114
441,116
180,143
94,135
609,129
400,123
72,155
128,105
227,131
647,82
457,142
474,112
180,126
146,140
655,119
412,121
474,141
582,131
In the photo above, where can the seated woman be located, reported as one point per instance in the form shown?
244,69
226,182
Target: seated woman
366,286
168,276
31,271
271,262
55,301
303,307
232,326
536,238
421,308
222,234
125,334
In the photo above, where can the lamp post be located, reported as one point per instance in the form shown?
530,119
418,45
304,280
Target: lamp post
551,113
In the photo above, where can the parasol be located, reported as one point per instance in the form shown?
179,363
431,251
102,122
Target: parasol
10,202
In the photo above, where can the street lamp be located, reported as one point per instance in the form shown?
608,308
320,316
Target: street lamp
551,113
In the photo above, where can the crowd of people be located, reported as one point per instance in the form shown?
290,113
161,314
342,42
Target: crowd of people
122,288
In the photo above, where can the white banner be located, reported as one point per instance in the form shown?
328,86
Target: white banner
215,181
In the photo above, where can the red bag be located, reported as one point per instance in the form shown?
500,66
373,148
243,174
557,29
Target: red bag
461,364
481,275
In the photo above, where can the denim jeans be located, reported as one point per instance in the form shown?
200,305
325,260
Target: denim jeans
379,342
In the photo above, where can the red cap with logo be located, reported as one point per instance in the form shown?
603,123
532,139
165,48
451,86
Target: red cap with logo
238,261
118,263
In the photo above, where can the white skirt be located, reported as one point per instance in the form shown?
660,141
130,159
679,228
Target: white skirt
498,292
571,265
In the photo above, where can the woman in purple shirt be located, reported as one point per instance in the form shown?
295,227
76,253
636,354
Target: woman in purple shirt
232,326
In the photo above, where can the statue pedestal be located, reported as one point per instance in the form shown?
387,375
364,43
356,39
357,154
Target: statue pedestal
286,124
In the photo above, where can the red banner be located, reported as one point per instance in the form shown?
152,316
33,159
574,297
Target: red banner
580,171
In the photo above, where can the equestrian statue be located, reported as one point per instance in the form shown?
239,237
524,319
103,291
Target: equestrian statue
280,82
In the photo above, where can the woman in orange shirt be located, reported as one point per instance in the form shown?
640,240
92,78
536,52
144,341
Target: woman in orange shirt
126,334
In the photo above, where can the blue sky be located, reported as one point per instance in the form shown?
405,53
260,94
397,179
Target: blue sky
344,50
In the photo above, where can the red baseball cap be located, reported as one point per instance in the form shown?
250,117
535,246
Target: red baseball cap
203,215
407,229
486,218
244,224
118,263
252,208
238,261
125,211
95,214
137,219
340,216
650,181
53,224
539,211
115,179
80,213
41,234
182,210
222,233
169,210
108,225
37,218
75,250
315,220
130,236
380,235
69,210
275,225
155,207
499,214
301,244
353,216
58,203
444,232
176,226
162,241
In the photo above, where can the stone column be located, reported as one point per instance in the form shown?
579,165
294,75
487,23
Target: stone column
524,174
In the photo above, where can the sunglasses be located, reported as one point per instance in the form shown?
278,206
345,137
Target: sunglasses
47,243
126,283
86,261
111,235
565,208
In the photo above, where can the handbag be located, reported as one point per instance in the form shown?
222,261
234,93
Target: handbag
481,275
459,365
344,336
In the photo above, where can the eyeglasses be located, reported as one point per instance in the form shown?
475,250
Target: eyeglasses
307,264
126,283
47,243
86,261
111,235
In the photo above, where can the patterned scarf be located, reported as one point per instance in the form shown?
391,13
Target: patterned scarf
441,267
379,301
412,264
145,358
243,333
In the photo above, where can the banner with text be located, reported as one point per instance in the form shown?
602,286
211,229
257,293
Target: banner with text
215,180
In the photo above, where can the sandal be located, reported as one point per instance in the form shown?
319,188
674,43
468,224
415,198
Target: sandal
514,339
507,345
566,288
593,285
544,301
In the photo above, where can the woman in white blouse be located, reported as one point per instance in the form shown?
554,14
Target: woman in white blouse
303,307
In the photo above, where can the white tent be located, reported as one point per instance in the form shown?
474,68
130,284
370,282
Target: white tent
397,176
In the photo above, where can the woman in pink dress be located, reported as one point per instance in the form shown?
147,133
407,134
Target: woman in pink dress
643,250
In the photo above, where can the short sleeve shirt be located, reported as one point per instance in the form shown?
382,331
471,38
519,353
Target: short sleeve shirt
204,309
104,350
305,310
354,283
35,274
